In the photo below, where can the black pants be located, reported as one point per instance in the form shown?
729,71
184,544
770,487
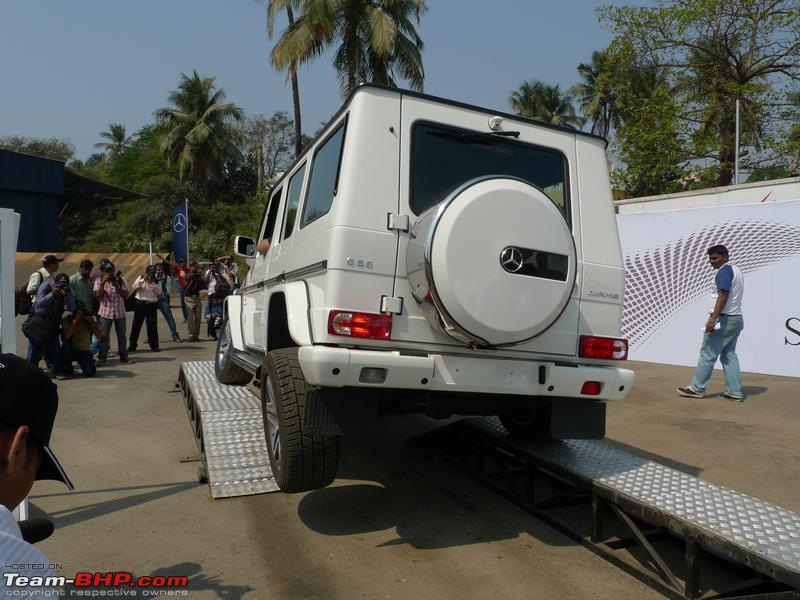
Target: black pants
144,312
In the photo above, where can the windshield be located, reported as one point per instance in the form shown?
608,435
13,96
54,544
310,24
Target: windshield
443,158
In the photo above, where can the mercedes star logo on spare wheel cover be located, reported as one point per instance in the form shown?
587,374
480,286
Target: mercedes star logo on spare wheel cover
179,224
511,259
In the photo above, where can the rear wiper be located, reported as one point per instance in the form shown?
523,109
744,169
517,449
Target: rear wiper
475,137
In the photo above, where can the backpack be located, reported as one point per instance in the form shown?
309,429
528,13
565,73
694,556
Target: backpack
23,301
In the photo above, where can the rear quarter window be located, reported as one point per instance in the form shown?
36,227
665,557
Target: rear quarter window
324,179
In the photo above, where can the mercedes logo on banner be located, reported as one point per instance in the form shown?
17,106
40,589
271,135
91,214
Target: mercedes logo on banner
511,259
179,223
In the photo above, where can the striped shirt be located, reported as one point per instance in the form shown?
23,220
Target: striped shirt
112,304
18,556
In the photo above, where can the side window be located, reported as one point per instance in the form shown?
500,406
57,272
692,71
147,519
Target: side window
324,178
271,215
293,200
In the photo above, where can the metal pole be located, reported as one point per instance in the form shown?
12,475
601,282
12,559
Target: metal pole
150,244
186,210
736,159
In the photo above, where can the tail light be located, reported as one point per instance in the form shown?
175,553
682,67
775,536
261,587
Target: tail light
360,325
603,347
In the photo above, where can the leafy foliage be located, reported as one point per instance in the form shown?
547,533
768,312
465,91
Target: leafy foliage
711,53
543,102
375,40
55,148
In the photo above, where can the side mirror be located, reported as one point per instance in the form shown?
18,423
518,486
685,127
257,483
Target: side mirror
244,246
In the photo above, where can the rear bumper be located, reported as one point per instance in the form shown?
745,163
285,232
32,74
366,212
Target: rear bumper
342,367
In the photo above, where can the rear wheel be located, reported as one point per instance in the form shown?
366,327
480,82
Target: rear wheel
225,369
530,425
300,461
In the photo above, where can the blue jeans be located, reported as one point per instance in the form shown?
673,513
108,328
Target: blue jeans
51,350
721,344
163,306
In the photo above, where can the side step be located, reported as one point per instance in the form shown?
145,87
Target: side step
228,428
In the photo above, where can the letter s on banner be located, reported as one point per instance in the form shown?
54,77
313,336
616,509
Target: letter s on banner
786,341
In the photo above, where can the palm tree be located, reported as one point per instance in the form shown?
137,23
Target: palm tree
199,133
117,142
375,39
542,102
291,72
595,93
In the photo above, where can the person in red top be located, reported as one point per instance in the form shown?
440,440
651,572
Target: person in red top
182,274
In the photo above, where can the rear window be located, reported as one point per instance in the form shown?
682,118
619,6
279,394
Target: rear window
443,158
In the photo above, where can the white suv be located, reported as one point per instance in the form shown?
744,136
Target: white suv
426,256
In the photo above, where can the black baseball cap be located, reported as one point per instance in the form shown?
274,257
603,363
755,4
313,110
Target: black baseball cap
61,280
29,397
49,259
86,264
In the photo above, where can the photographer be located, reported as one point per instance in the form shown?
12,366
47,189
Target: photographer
146,293
44,322
195,283
220,284
111,289
77,328
165,285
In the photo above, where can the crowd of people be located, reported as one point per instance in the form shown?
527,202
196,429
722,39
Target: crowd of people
71,317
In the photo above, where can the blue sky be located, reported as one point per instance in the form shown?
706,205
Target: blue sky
69,68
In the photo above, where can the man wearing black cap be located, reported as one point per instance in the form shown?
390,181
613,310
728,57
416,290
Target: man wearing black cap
28,406
49,268
46,312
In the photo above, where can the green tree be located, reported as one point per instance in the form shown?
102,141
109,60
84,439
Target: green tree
291,68
595,93
543,102
118,141
745,49
269,142
55,148
376,40
199,130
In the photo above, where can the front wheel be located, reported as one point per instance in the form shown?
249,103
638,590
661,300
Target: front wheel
300,461
224,368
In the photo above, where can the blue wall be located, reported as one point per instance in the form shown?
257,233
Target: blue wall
33,186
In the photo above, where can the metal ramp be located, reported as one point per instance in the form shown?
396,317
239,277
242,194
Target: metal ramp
229,431
683,536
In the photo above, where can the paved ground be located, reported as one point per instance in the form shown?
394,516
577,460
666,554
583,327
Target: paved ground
396,524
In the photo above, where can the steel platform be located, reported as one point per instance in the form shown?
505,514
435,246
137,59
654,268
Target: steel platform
228,428
748,548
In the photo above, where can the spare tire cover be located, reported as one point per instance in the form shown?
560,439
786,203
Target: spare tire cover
499,260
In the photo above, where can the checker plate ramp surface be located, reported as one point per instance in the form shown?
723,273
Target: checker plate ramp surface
228,419
749,523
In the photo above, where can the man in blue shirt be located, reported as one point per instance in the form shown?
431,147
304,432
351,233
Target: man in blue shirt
722,330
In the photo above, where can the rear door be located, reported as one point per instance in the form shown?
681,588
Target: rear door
444,147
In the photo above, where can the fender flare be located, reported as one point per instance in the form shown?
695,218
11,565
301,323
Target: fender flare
297,317
232,310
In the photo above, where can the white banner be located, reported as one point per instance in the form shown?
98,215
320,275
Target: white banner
669,281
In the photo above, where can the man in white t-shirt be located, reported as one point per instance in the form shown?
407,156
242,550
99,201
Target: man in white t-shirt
28,406
722,330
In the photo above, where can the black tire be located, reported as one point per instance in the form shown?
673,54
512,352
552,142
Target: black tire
224,368
300,461
531,425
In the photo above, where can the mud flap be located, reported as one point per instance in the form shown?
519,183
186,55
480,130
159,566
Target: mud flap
339,411
577,418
